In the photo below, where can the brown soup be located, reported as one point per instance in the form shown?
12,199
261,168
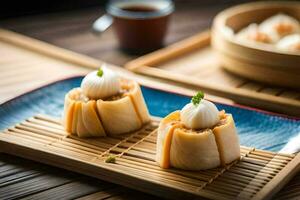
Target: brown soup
138,8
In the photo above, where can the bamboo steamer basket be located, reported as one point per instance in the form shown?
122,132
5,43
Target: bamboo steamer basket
260,62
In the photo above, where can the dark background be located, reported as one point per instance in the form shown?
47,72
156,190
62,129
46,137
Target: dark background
14,8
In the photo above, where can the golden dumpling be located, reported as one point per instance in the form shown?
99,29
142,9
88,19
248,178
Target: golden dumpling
187,148
122,112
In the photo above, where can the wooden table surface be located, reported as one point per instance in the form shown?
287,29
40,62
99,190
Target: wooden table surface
72,30
21,178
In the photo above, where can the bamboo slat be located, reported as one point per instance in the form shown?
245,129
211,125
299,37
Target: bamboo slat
257,175
193,62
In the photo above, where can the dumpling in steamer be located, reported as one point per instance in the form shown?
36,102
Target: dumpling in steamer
252,33
289,43
280,25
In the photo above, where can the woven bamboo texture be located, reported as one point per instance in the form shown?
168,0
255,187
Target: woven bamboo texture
257,175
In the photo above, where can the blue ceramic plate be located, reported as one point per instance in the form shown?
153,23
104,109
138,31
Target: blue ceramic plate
256,129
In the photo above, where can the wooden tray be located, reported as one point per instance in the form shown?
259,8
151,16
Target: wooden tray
193,62
258,175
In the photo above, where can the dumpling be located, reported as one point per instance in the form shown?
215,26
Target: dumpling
289,43
105,104
280,25
198,137
252,33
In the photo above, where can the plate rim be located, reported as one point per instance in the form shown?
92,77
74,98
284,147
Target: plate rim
236,105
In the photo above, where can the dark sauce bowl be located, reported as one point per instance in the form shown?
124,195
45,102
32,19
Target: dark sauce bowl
140,26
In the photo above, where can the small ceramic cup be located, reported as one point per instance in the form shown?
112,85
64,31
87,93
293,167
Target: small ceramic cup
140,25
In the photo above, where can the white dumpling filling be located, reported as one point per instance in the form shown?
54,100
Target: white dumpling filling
200,116
101,84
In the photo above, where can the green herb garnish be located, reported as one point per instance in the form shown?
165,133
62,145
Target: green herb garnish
111,159
197,98
100,72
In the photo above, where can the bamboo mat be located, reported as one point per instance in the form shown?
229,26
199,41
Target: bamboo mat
193,62
257,175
